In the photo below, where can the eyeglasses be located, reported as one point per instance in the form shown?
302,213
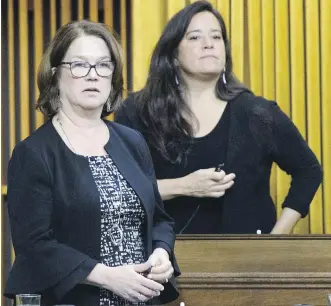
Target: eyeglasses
80,69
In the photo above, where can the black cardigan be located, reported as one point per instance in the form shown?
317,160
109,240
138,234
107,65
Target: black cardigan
260,134
54,212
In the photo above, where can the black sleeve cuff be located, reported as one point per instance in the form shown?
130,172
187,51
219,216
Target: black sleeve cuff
77,276
163,245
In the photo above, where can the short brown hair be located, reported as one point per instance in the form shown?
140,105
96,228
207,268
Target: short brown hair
48,101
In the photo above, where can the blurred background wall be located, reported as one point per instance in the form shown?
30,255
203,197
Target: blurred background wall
281,50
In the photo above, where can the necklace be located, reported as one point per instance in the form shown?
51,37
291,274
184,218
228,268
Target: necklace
116,232
65,134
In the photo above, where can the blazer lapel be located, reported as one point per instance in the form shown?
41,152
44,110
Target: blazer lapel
128,167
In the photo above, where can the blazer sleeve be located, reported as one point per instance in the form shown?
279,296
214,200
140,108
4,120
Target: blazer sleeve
41,262
163,235
126,114
293,155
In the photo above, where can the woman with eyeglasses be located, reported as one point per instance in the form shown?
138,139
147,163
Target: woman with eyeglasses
87,221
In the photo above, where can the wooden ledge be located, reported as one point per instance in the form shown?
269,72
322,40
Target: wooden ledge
255,280
254,237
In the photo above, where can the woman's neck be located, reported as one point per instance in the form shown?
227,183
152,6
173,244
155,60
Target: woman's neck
80,119
198,91
199,88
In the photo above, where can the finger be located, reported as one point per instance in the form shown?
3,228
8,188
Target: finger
167,273
139,297
153,260
163,277
161,268
227,185
221,187
132,297
143,267
151,284
208,170
216,194
229,177
148,293
217,176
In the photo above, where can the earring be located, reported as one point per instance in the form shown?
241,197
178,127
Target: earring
223,77
58,99
176,80
108,105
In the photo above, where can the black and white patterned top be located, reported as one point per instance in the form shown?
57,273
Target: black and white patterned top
129,214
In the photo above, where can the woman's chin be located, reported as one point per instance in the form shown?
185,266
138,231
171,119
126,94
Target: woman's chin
92,104
210,73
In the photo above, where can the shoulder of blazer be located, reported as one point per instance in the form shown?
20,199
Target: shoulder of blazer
39,140
128,113
125,133
129,105
134,142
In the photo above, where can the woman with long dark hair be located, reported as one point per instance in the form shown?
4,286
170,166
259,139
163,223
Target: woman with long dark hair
212,140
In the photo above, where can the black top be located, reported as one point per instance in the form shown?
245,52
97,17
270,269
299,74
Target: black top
204,152
259,134
122,222
55,215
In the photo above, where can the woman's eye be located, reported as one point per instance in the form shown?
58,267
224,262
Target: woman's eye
193,37
217,37
104,65
80,64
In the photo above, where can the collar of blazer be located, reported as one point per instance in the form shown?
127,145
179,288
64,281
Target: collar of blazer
123,157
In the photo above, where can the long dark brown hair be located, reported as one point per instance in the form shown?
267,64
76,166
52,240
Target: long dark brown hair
160,103
48,101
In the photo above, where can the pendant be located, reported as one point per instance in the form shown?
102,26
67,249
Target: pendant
116,234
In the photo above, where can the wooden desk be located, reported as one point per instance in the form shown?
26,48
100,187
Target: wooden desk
254,270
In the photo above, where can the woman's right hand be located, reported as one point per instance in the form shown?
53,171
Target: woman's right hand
207,183
126,282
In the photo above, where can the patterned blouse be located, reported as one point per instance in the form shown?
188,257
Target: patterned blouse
122,222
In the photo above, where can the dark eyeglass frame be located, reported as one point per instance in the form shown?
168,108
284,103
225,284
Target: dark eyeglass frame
91,66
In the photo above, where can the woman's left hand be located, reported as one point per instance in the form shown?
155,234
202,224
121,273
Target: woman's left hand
162,268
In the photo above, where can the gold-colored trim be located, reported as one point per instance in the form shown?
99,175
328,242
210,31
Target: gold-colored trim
65,11
24,69
11,77
124,44
52,14
93,5
38,51
80,9
4,190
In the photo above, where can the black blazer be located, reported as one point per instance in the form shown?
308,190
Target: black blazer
54,212
260,134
